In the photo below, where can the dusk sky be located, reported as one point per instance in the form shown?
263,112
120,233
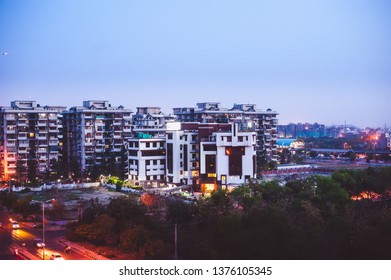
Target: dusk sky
326,61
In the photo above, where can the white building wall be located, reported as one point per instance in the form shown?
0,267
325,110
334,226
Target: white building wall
142,168
177,158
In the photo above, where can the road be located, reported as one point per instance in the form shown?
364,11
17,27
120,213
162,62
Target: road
24,238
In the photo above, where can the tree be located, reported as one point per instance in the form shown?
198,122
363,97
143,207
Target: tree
105,228
347,181
135,238
179,212
331,197
118,185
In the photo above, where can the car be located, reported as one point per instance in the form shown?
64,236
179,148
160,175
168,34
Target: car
56,257
15,224
39,243
39,225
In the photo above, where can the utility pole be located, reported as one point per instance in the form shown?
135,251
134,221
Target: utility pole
176,241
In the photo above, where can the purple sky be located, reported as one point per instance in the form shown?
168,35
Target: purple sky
324,61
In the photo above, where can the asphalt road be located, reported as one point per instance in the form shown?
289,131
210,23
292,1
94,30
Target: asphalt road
24,238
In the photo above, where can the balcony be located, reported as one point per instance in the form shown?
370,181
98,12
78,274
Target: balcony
10,117
11,144
22,137
10,157
42,124
52,116
24,144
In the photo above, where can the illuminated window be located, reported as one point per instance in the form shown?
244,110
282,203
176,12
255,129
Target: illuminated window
211,175
32,135
208,187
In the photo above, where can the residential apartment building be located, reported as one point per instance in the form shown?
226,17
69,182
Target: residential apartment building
30,138
146,160
247,116
209,156
95,135
151,120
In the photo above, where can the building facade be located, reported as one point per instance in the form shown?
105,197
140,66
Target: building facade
209,156
151,120
30,140
247,116
95,135
146,161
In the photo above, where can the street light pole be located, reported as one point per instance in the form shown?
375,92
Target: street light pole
43,230
43,223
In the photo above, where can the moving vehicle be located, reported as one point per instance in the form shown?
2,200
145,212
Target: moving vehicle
56,257
39,243
15,224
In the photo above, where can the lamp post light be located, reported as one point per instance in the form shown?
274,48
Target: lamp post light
43,223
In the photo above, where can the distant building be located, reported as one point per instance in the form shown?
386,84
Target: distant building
284,143
95,135
301,130
30,138
151,120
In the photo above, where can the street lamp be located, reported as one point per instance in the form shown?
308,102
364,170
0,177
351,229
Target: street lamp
43,223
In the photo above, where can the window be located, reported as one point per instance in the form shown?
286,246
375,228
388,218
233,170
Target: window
154,162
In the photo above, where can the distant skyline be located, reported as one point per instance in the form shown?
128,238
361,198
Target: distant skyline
325,61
